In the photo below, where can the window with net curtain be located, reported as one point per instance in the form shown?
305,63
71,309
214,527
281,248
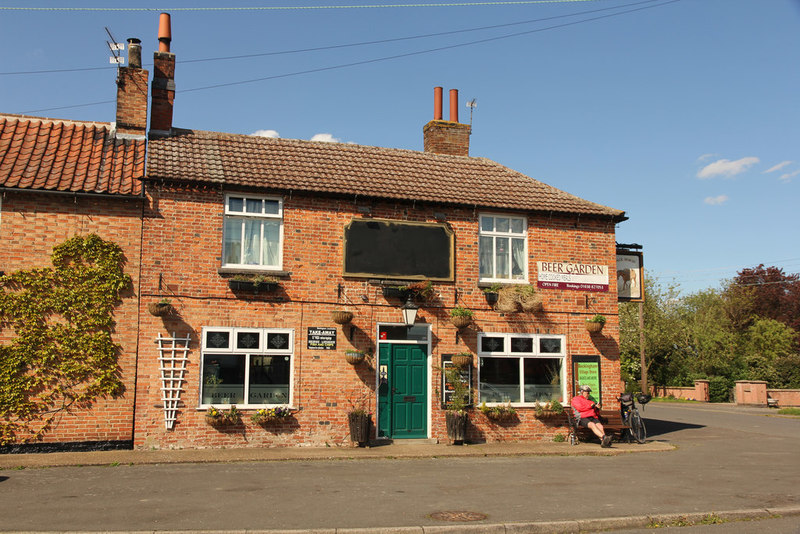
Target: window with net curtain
503,248
253,231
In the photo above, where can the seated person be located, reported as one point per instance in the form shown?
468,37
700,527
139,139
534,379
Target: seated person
588,414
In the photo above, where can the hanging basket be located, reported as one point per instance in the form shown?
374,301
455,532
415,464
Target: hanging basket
159,309
341,316
461,360
460,321
593,327
354,357
491,297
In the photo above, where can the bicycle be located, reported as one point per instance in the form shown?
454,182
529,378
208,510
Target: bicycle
631,416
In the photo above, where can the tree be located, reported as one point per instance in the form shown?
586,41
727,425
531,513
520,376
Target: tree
664,332
770,293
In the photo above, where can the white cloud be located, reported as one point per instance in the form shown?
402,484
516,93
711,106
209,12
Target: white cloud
325,138
716,201
724,167
788,176
266,133
705,157
778,167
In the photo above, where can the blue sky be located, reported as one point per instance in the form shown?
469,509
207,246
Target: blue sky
685,114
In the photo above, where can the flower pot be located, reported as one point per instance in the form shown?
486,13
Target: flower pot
491,297
502,416
460,321
456,424
159,309
354,357
251,286
461,361
593,327
359,427
390,292
341,316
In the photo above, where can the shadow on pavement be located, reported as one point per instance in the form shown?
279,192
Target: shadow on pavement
658,427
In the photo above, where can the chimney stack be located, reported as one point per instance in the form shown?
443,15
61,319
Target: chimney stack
163,80
446,137
132,94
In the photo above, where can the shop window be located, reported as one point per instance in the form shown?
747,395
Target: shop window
255,371
503,250
521,369
253,232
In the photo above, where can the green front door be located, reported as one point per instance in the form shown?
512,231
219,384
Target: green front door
403,397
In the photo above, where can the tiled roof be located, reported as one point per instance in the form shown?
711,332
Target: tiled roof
68,156
334,168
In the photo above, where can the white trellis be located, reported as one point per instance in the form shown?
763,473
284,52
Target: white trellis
172,358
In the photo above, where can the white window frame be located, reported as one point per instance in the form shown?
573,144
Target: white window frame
244,216
522,356
263,350
494,234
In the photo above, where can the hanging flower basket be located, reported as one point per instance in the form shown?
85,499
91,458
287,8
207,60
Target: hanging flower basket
462,360
354,357
491,297
460,321
341,316
159,309
593,328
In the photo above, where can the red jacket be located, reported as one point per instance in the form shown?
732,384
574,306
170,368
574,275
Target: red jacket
584,406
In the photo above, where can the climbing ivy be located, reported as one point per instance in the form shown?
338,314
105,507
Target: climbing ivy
60,356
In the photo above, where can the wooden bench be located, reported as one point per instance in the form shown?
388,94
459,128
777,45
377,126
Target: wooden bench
612,424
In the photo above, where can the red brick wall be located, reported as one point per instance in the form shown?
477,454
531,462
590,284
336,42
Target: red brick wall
31,224
183,244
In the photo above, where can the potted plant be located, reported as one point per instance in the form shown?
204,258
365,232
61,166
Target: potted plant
270,415
252,283
461,360
217,417
456,416
395,292
492,293
595,324
548,409
358,419
354,357
502,413
341,316
461,316
161,308
422,290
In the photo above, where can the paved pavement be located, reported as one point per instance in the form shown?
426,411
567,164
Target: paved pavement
701,459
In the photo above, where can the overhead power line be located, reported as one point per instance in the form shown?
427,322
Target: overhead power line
399,56
295,8
351,45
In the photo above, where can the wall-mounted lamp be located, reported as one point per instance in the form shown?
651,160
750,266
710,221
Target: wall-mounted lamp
409,310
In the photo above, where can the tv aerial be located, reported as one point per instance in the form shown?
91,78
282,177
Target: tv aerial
115,47
472,104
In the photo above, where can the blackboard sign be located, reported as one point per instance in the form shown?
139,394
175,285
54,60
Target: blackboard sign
376,248
447,388
321,338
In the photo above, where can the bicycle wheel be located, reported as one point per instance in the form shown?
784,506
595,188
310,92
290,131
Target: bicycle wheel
637,427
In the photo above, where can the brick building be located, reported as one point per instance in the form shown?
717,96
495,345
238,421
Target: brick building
62,178
256,243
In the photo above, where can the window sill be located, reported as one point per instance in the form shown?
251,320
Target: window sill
254,270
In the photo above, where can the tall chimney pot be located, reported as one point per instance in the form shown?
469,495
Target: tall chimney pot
134,53
453,105
437,103
164,32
